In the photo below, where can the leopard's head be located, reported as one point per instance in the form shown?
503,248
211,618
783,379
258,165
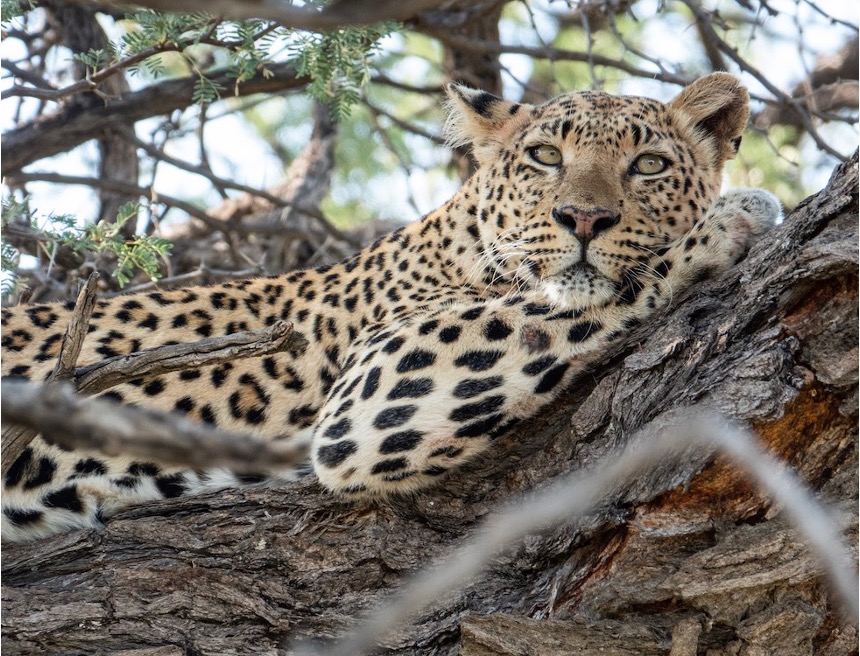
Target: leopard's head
576,195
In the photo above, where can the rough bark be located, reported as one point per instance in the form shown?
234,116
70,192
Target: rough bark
691,559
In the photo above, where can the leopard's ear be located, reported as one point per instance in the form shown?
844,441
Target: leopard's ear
717,106
479,118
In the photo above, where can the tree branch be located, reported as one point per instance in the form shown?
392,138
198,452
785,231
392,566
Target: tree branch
91,82
770,344
555,54
73,422
707,30
76,331
70,127
337,15
120,369
572,497
131,189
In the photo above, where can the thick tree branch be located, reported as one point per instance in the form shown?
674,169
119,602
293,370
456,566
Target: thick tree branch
335,15
69,126
688,550
678,435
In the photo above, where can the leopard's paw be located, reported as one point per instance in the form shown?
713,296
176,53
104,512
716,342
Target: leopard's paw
744,215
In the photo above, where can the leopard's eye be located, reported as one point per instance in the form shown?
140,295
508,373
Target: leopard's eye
649,164
546,155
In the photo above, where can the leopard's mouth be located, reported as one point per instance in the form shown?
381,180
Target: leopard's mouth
579,285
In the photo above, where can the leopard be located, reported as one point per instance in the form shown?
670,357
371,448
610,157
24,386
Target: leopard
585,216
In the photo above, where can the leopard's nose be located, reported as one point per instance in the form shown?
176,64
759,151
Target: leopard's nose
585,224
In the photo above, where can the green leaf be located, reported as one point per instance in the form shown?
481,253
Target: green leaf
206,91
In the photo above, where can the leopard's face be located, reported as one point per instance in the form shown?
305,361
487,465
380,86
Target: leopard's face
582,191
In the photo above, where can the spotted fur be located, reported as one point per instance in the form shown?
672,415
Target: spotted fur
435,340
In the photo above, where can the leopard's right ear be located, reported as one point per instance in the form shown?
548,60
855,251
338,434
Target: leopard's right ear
479,118
717,108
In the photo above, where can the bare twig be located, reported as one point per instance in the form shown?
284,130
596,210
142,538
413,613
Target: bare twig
404,125
556,54
130,189
572,497
707,30
229,184
79,423
203,271
76,331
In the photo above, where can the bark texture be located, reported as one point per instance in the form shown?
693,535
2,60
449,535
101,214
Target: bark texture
688,560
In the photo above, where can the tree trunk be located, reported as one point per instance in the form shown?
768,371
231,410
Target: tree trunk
690,559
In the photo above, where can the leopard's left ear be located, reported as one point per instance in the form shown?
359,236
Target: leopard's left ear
718,107
479,118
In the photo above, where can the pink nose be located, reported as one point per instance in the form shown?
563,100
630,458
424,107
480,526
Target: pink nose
585,224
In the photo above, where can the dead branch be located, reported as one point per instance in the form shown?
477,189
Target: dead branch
120,369
830,86
230,210
74,422
706,29
554,55
16,438
127,188
103,375
76,331
199,275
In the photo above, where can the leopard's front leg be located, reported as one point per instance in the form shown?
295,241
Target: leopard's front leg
426,394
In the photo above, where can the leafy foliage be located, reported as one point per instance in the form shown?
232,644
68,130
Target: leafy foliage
338,63
12,9
143,253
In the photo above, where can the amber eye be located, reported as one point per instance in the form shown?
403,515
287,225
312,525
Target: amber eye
546,155
649,164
